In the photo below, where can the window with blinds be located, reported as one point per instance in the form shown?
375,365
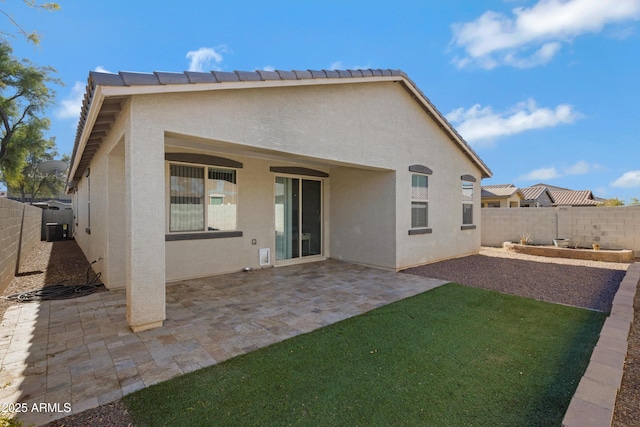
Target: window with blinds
190,192
419,200
467,202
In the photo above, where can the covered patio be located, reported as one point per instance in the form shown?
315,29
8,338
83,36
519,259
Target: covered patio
82,351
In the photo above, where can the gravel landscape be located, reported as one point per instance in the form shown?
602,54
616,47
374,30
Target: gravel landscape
588,284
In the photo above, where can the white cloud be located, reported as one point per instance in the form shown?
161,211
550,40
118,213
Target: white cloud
600,191
533,36
70,106
339,65
581,167
101,69
206,58
628,180
482,124
268,68
542,174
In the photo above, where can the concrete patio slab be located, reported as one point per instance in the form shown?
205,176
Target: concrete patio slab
64,357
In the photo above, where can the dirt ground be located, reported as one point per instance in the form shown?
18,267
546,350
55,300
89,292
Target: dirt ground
49,263
53,262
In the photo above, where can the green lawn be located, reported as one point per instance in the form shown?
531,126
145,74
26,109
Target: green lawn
452,356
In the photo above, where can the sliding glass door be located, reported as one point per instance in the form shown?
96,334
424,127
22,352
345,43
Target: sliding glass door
298,206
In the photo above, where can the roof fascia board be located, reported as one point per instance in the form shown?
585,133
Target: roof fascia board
94,110
199,87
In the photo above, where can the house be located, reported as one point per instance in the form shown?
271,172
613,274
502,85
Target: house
544,195
501,196
573,198
184,175
536,196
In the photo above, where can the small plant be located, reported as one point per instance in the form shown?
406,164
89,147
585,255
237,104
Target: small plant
10,422
525,238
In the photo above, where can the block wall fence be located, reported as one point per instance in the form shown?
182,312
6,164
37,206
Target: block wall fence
11,222
611,227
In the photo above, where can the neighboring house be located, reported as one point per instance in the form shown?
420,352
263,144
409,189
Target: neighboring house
567,197
536,196
501,196
184,175
573,198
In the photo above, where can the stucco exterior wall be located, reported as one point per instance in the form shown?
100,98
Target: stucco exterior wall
364,135
370,125
255,218
366,124
11,213
363,216
612,227
99,207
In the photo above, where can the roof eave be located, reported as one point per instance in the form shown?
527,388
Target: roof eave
94,109
104,85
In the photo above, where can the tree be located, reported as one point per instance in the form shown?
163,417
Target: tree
24,96
613,202
32,182
634,201
33,37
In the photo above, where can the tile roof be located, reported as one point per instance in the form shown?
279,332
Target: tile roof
108,110
499,190
573,198
551,187
533,192
492,186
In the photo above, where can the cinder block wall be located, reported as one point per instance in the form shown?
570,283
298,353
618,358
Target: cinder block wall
10,222
507,224
611,227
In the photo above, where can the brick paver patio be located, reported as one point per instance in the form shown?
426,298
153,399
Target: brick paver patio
81,352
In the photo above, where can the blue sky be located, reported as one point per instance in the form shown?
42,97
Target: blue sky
544,91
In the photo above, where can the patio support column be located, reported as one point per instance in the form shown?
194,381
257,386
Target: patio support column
145,225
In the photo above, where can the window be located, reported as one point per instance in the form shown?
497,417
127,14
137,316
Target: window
419,201
202,198
467,202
